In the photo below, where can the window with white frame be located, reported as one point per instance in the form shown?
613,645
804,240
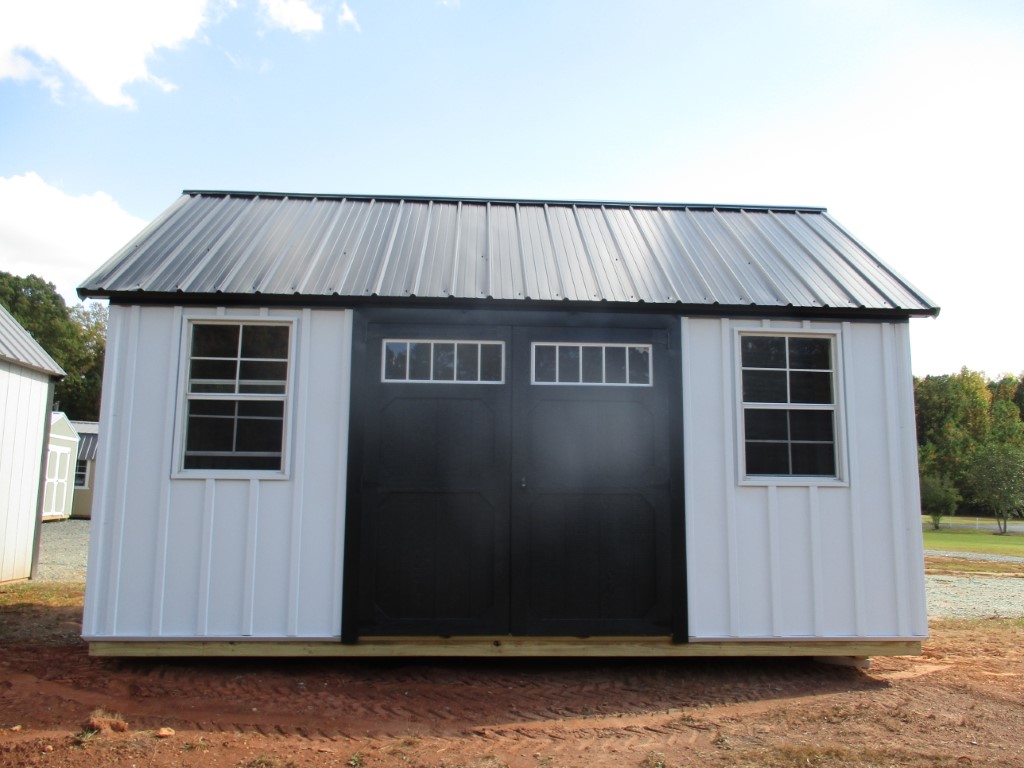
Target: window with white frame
82,473
623,365
789,405
236,395
448,361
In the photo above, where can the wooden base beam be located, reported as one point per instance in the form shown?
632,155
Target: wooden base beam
482,647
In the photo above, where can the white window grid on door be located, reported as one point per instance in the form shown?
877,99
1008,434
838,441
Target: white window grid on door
638,361
395,371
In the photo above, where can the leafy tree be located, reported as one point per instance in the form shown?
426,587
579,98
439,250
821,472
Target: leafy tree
939,498
75,338
953,418
997,480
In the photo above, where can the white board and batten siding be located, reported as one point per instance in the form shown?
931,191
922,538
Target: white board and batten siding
173,556
24,398
789,558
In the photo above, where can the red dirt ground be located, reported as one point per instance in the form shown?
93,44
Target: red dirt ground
961,703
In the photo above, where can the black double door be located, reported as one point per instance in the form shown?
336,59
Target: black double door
514,479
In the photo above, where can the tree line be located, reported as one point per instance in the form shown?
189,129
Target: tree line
75,337
970,437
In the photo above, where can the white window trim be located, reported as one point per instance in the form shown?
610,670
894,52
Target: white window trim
478,342
88,475
841,478
290,318
602,345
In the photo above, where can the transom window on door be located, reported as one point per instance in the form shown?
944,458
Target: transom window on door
236,396
789,405
624,365
454,361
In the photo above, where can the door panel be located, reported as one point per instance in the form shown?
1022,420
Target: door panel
592,533
516,507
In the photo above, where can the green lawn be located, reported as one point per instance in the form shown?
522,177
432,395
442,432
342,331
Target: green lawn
966,540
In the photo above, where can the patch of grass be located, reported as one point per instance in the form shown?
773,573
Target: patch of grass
53,594
980,542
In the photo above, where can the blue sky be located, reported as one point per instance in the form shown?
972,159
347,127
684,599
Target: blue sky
905,119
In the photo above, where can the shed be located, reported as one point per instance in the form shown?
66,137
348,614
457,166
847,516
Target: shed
61,457
85,467
352,425
27,378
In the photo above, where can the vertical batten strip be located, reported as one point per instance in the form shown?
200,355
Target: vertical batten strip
251,542
206,558
729,465
774,578
128,404
298,466
817,573
167,460
852,444
688,470
896,479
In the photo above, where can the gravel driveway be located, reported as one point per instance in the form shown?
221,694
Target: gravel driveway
64,548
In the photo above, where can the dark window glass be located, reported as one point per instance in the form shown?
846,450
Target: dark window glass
395,360
615,365
213,375
214,340
262,376
767,458
467,360
764,386
490,362
230,362
444,362
807,387
793,440
593,365
544,363
763,351
266,341
811,425
81,473
420,354
810,353
814,459
766,425
639,365
568,364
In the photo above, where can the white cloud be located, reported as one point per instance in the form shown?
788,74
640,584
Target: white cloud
293,15
103,45
62,238
346,16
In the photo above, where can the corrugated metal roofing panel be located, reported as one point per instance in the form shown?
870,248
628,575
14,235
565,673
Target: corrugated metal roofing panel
516,250
17,346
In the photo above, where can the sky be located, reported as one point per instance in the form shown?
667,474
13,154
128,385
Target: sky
905,119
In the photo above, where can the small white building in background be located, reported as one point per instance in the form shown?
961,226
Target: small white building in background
370,425
61,459
27,378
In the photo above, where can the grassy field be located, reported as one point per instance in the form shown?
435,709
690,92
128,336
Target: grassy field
967,540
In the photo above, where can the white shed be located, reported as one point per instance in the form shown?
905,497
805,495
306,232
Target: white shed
346,425
27,377
61,459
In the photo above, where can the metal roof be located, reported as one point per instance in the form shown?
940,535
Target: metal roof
361,247
88,438
17,346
